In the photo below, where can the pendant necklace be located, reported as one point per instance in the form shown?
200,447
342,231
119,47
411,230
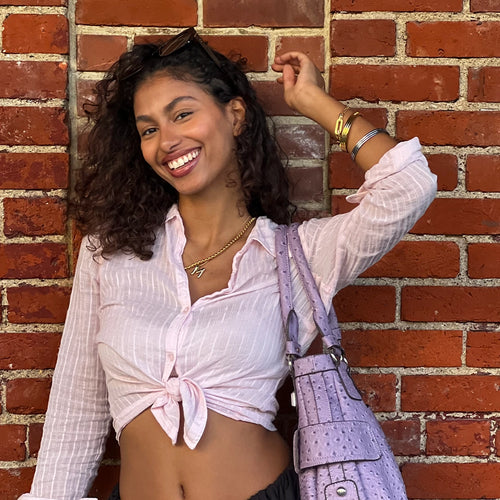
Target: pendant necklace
195,266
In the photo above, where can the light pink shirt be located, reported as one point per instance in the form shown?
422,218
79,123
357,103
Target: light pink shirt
132,339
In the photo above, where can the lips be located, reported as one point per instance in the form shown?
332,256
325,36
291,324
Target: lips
183,164
182,160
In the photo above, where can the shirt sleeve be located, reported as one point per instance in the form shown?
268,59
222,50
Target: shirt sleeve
77,419
395,194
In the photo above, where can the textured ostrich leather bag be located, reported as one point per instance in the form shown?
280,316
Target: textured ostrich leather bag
340,451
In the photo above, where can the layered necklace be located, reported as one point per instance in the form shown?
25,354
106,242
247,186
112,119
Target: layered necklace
196,266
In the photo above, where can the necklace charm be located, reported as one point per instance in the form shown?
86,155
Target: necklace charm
195,266
199,271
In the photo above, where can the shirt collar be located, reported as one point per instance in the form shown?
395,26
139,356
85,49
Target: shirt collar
263,232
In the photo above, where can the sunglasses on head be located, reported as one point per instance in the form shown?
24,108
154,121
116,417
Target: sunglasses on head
185,38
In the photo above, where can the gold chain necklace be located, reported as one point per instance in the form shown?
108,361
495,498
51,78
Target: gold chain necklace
195,266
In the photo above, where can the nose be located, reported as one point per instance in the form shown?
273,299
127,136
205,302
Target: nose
169,138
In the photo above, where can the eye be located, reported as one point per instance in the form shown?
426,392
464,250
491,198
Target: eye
182,115
148,131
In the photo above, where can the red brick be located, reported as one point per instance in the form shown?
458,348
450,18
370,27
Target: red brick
34,216
33,126
306,183
483,260
33,2
28,351
483,349
312,46
36,260
458,437
446,168
99,52
452,480
378,391
483,173
34,439
418,259
33,79
395,83
397,5
460,216
477,128
27,396
270,95
12,438
371,37
403,436
411,348
301,141
30,304
484,84
106,479
452,393
450,303
279,13
34,170
26,33
453,39
366,303
253,48
137,13
484,6
15,482
84,94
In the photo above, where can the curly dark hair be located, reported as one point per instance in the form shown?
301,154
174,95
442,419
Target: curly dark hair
118,198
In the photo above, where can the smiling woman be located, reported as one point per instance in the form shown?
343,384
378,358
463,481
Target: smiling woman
174,332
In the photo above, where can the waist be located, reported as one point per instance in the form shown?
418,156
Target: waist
233,459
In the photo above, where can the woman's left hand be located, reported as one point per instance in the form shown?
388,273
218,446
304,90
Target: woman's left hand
300,78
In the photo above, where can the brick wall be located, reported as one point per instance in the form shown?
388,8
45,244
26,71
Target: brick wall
422,327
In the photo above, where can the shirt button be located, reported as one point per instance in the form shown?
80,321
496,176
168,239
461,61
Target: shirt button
170,356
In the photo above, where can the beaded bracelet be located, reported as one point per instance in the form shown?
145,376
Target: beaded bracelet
346,130
366,138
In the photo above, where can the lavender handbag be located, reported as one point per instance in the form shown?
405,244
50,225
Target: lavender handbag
340,451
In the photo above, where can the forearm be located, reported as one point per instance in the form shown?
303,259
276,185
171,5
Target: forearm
325,109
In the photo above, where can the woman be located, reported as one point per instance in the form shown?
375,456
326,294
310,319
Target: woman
174,330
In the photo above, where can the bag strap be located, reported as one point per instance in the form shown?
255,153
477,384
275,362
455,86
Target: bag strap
327,324
288,314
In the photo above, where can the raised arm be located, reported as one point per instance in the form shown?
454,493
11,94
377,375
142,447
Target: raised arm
304,92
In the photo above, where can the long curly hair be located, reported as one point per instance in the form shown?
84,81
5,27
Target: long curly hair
118,198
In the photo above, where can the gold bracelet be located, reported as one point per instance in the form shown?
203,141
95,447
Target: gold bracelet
339,124
346,130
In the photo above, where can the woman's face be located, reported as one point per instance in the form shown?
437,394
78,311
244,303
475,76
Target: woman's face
186,136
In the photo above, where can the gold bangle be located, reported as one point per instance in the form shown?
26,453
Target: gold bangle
346,130
339,124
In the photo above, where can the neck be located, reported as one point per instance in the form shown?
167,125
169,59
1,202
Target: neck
209,222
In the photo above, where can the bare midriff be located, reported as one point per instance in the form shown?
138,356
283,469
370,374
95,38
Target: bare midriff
232,461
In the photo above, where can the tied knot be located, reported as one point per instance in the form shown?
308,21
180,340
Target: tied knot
194,407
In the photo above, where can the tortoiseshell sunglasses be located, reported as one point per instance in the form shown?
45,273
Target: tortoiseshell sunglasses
184,38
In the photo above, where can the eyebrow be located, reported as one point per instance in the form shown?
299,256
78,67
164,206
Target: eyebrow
168,108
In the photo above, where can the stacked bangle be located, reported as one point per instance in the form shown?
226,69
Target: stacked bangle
339,124
365,139
346,130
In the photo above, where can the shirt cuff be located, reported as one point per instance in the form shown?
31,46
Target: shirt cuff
397,158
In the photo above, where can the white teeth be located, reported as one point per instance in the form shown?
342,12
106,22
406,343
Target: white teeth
182,160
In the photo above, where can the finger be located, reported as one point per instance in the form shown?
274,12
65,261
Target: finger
288,76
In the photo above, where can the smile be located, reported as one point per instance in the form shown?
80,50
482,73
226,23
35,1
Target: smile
182,160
